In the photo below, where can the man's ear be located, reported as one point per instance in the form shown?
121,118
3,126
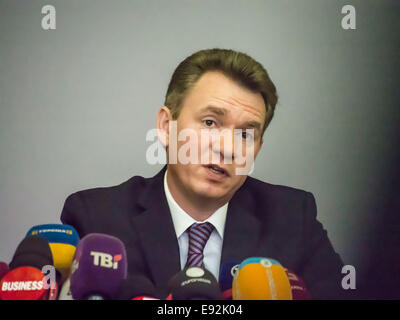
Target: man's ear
164,116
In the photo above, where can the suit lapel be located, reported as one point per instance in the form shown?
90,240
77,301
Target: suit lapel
156,232
242,228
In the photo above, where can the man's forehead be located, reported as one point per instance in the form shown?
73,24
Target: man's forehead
214,88
234,104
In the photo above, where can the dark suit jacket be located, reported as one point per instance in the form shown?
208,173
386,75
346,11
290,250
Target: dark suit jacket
262,220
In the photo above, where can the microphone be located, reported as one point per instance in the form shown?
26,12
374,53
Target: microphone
226,279
25,280
33,251
261,278
194,283
23,283
99,267
62,239
144,298
299,289
136,287
3,269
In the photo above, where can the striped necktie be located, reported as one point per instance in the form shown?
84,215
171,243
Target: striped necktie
199,233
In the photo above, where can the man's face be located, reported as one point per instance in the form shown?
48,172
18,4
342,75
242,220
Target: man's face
217,102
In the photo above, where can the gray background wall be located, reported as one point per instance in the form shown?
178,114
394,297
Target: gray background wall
76,103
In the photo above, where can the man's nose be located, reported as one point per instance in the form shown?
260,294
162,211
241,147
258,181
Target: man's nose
223,147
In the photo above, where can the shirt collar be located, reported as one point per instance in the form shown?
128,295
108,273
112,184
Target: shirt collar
182,220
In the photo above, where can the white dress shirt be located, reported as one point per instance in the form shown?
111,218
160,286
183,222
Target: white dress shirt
182,221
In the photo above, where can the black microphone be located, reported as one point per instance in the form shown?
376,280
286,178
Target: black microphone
136,287
194,283
3,269
33,251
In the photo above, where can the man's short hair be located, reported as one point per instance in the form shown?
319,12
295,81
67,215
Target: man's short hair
235,65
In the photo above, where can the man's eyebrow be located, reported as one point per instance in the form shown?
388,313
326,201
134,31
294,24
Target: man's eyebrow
252,124
217,110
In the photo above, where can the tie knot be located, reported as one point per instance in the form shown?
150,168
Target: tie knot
204,228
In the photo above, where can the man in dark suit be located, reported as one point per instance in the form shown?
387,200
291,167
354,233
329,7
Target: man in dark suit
204,213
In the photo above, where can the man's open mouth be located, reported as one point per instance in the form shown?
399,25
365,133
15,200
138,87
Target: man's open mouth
217,169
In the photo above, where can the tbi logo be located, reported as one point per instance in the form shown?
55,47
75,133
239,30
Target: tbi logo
105,260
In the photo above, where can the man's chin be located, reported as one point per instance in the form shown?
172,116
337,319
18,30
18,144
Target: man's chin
212,194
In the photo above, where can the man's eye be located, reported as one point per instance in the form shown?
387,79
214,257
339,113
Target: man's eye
208,122
246,135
